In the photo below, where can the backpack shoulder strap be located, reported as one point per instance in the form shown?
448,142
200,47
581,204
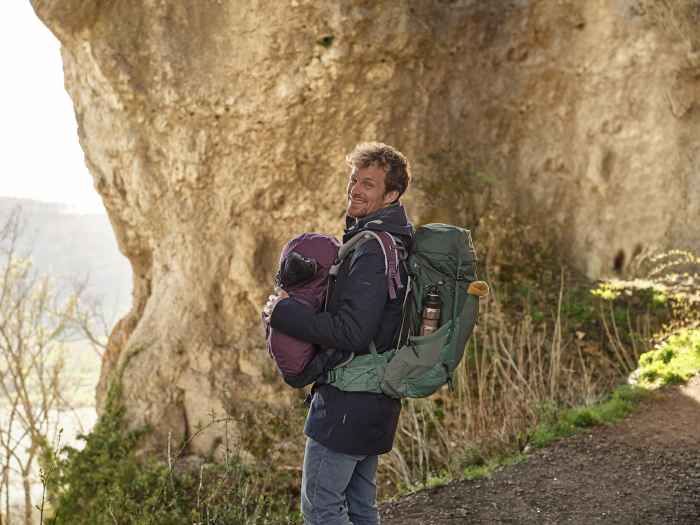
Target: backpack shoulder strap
389,250
345,249
391,262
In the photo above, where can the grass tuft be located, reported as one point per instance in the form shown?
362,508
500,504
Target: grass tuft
569,421
484,471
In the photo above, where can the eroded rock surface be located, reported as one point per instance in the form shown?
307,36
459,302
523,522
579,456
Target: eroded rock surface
216,130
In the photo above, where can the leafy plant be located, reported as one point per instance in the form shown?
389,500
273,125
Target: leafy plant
107,482
674,361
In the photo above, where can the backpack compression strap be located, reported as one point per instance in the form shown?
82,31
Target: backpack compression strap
389,250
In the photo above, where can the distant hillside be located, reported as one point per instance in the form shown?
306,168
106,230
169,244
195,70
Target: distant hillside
69,246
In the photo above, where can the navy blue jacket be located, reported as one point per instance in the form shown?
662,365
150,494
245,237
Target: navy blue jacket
359,311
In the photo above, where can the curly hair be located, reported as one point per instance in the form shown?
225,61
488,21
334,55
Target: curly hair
394,163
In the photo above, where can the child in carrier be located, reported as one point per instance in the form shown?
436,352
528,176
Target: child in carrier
304,274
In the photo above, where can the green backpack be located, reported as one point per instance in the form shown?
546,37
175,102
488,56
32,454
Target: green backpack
442,257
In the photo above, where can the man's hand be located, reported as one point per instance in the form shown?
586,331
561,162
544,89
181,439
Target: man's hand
272,301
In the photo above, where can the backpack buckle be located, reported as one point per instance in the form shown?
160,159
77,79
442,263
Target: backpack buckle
450,384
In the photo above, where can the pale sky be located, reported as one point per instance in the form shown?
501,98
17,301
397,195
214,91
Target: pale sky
41,156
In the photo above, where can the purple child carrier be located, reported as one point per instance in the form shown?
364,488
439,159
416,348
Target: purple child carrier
292,355
326,255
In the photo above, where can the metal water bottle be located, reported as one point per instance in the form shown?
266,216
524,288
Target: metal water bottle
432,304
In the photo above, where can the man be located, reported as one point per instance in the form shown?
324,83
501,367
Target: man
346,431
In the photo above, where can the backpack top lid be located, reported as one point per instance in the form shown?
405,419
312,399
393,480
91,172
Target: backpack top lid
445,239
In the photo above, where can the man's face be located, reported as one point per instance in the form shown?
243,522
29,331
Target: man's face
366,192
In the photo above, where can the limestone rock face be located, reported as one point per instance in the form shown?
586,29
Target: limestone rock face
217,130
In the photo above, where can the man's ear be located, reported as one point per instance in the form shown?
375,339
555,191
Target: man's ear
390,197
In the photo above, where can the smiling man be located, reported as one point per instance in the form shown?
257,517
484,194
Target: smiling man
347,431
366,191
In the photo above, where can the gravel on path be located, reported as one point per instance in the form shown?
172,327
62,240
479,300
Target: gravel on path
644,470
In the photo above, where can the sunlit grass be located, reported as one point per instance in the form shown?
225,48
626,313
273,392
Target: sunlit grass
675,360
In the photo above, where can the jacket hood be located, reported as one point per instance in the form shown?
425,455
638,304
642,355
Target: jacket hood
324,250
391,219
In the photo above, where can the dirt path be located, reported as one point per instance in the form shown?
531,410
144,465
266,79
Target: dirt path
645,470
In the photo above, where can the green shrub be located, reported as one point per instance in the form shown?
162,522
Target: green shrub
106,483
582,418
103,479
673,362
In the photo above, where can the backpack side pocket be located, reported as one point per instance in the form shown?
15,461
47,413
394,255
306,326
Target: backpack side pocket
414,360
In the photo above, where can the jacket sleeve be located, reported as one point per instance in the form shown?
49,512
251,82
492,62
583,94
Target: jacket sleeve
360,307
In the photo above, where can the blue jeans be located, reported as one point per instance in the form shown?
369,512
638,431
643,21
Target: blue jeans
338,489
